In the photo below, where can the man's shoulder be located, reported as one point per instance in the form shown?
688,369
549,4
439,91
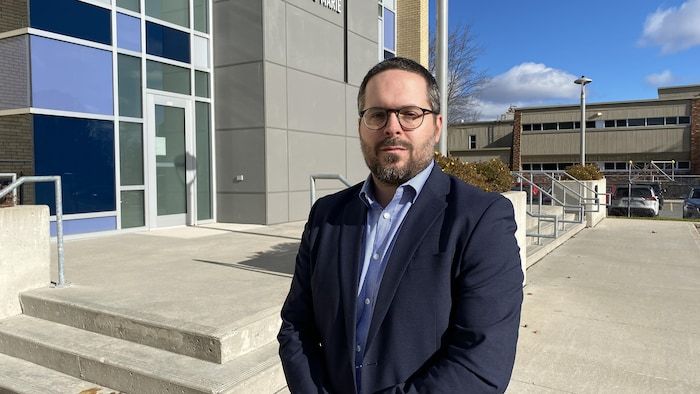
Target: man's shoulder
471,197
335,200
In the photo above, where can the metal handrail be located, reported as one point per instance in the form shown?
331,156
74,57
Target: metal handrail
539,234
312,180
59,214
582,199
578,208
13,178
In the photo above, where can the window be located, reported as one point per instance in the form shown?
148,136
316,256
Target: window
527,127
173,11
527,167
132,5
684,120
129,77
72,18
683,165
128,32
200,52
609,123
133,208
130,154
635,122
472,141
549,166
590,124
203,138
609,165
71,77
566,125
621,165
536,166
621,123
562,166
549,126
167,42
655,121
163,76
201,15
81,151
536,126
672,120
201,84
389,29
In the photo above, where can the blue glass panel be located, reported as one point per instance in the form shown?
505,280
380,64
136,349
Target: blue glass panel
73,18
81,151
128,32
71,77
389,29
88,225
167,42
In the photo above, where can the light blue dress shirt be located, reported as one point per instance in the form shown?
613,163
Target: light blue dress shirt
380,232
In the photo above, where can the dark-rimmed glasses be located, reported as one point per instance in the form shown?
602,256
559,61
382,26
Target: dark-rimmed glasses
410,118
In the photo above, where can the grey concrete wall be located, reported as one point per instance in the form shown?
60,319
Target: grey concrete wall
24,254
519,201
14,72
284,109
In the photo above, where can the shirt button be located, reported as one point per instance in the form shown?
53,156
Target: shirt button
359,348
375,256
386,215
367,301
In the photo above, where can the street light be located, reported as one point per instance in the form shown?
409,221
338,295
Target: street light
583,81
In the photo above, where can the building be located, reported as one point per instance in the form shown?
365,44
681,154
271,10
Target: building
161,113
666,129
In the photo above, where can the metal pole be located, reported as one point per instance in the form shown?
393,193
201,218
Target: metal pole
583,124
442,70
59,232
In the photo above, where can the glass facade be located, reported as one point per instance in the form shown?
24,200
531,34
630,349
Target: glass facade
201,84
130,154
131,5
167,42
128,32
72,18
166,77
129,86
203,138
173,11
71,77
81,151
133,208
201,15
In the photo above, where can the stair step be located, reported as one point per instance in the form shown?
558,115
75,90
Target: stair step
22,377
132,367
216,344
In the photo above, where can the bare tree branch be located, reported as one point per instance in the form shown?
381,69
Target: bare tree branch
465,81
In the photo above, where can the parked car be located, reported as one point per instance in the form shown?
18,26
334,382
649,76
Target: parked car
658,189
641,200
691,205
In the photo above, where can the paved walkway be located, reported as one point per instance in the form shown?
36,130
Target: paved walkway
614,310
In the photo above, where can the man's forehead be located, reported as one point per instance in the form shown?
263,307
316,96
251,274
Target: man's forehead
396,81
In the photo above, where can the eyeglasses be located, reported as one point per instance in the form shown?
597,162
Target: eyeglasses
410,118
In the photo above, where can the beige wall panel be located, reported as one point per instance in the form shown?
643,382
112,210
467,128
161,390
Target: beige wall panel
357,169
277,208
314,44
275,33
275,95
239,96
240,152
276,161
311,153
351,113
315,104
238,31
241,207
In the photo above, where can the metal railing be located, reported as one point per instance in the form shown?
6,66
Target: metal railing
13,177
314,177
59,214
584,201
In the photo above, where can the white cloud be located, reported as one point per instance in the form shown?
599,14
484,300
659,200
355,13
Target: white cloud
663,78
527,84
673,29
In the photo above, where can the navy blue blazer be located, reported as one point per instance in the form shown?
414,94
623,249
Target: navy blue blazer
448,309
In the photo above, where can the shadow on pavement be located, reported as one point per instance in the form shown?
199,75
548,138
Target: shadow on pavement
278,260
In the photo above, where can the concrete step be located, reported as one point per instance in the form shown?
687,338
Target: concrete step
132,367
23,377
535,252
74,307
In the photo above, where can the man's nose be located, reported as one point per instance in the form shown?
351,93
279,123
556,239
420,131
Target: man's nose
393,126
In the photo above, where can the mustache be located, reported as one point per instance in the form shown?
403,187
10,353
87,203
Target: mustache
395,141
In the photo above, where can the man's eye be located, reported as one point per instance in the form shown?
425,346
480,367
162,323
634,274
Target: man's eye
377,115
410,114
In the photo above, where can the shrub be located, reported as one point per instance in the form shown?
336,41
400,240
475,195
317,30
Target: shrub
589,172
491,176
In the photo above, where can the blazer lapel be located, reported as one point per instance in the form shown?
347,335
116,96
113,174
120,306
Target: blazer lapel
351,234
428,206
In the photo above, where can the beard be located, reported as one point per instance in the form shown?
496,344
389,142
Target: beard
385,168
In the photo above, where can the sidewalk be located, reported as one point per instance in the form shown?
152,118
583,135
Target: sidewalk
614,310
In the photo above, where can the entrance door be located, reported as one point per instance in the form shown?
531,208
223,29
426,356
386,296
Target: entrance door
171,161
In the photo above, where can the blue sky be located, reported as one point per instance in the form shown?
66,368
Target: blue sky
533,50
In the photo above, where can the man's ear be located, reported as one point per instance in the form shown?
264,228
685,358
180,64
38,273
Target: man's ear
438,127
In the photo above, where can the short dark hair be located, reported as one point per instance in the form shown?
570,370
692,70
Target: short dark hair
402,63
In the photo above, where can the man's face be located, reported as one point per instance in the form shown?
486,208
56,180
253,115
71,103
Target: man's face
395,155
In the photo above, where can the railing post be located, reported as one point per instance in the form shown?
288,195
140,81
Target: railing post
59,232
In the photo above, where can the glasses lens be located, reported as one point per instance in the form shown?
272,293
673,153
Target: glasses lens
410,117
375,118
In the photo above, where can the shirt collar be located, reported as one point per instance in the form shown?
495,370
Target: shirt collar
414,184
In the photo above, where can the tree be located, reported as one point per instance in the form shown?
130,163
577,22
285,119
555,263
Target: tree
465,81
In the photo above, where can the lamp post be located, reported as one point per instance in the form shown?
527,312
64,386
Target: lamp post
583,81
442,69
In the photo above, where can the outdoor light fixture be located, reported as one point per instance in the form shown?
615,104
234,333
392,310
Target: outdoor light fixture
583,81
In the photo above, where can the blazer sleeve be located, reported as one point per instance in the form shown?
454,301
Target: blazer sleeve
300,352
479,353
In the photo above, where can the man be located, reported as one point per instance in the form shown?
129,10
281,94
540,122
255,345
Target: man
409,282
